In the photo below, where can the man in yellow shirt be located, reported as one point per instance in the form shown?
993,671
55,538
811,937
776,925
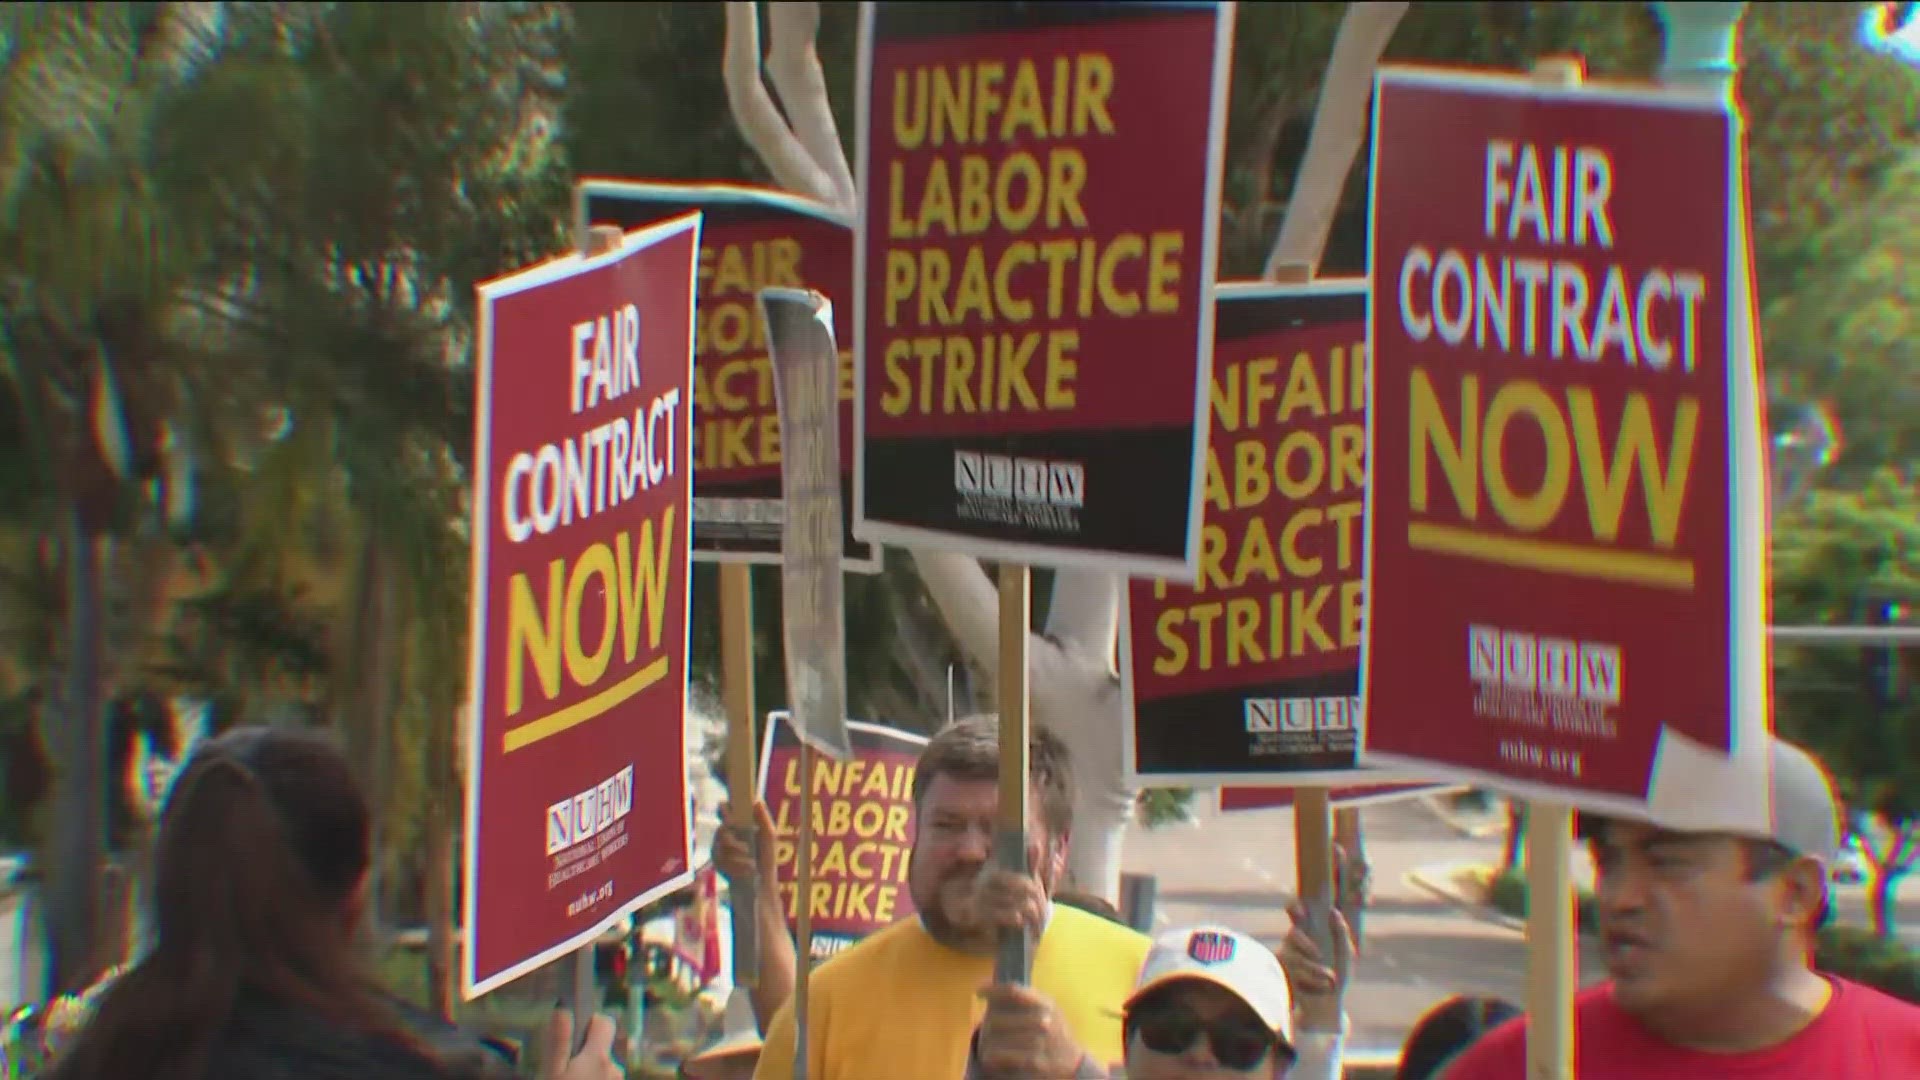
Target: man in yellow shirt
904,1002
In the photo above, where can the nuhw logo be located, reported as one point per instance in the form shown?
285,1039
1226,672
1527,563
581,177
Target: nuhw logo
574,821
1262,715
1020,479
1555,667
1210,947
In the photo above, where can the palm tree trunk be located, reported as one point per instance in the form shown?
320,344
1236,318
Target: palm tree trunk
74,880
364,706
439,904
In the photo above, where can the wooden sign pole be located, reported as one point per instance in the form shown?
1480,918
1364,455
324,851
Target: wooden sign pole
803,927
736,688
1312,805
1014,961
1552,967
598,240
1339,131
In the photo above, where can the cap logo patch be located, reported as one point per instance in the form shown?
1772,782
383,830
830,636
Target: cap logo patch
1210,947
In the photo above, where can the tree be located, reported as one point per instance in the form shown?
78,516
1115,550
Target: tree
291,317
361,293
1850,339
1849,557
94,257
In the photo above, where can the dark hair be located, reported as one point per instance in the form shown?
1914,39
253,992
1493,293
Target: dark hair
1448,1028
1766,858
1089,903
969,749
262,843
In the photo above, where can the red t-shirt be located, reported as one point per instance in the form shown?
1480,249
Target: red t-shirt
1862,1034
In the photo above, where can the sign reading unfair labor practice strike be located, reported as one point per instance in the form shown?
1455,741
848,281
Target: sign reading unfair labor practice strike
1551,559
862,808
1253,672
577,809
750,238
1040,188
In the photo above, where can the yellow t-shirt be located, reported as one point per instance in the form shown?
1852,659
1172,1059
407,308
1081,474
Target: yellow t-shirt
900,1005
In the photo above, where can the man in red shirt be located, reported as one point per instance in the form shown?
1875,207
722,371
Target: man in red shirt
1709,940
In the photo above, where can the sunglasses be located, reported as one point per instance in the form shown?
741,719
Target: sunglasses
1235,1044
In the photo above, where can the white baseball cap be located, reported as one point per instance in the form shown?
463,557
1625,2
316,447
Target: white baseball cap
1228,959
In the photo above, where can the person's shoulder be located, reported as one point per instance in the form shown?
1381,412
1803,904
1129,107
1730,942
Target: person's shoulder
1877,1006
863,960
1084,926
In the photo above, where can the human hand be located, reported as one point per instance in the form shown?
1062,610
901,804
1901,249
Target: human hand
595,1059
1023,1035
1002,899
1318,986
734,850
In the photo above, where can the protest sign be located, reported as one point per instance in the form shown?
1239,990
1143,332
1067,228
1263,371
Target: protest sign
1555,577
1344,797
1040,191
1252,673
750,238
578,810
862,828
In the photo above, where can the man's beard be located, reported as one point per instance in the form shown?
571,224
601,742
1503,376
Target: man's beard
936,910
935,913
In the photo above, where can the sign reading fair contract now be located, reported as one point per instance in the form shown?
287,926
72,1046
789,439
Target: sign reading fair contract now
1040,192
750,239
862,829
576,785
1555,521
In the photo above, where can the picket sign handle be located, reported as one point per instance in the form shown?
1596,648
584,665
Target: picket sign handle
1312,805
585,996
1552,967
1013,962
736,689
803,928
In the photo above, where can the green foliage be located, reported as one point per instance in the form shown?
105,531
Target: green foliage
1834,558
1165,806
1826,119
1850,952
1856,953
1850,338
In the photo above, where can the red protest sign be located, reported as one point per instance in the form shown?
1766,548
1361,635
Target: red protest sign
577,802
751,238
1040,190
1549,517
862,828
1252,673
1269,798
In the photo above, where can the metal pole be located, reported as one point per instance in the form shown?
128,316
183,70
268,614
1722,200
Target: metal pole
1903,636
1701,51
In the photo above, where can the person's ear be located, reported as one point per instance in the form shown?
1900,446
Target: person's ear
1800,892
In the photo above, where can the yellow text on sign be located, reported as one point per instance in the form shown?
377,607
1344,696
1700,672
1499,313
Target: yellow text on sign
633,578
1469,455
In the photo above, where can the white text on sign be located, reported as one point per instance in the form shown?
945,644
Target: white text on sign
628,575
1570,304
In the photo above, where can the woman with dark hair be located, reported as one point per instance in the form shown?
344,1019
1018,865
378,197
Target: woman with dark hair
259,879
1448,1028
